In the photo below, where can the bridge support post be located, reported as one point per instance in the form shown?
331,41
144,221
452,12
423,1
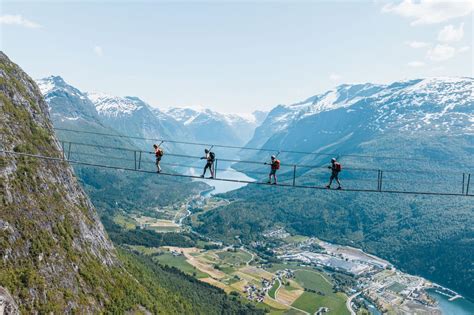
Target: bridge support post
135,158
380,180
139,159
468,182
215,168
463,180
294,175
69,151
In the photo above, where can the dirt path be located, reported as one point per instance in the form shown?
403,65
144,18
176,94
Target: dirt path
250,253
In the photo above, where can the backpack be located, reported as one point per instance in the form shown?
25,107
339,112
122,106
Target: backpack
337,167
276,165
160,152
212,156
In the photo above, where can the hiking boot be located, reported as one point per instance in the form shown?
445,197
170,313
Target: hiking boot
339,188
328,187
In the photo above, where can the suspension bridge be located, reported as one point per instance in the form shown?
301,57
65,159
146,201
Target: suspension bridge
300,176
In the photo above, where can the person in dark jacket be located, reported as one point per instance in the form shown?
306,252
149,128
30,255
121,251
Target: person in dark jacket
335,168
210,157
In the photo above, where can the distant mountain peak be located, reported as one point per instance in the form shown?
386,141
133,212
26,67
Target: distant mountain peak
109,105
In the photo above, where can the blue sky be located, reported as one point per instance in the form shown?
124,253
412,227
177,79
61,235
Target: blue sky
236,56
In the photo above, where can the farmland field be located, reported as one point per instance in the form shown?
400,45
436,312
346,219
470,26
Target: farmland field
180,263
325,297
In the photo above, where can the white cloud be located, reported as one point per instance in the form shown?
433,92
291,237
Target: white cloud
17,19
334,77
430,11
416,44
464,49
441,52
416,64
451,34
98,51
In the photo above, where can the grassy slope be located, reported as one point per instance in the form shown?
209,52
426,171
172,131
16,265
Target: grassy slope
310,301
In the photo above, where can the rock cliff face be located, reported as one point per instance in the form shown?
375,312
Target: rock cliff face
52,244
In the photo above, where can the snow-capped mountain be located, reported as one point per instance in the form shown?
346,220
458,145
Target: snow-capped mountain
213,127
114,106
66,103
129,115
350,117
132,116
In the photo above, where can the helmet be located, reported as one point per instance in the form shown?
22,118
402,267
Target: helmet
206,150
333,160
273,157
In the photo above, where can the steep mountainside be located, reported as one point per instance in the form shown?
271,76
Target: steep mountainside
212,127
145,191
350,114
55,254
420,130
131,116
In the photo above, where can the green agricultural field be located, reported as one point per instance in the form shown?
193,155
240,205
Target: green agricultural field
164,229
272,310
125,222
295,239
397,287
272,291
145,250
313,280
234,258
310,301
180,263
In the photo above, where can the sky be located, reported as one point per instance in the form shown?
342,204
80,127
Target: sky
238,56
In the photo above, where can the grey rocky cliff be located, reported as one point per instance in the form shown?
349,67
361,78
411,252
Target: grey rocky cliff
49,229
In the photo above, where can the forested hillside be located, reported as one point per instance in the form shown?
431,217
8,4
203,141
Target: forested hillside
56,256
419,132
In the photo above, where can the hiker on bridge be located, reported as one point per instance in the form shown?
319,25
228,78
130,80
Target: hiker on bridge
210,157
158,154
274,167
335,168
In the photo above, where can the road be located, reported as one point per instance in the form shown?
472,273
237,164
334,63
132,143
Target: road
248,252
349,301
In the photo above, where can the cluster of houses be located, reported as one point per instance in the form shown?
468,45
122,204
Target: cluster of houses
257,295
284,274
175,253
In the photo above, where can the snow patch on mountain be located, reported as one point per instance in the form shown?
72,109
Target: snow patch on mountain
45,86
189,115
48,86
115,106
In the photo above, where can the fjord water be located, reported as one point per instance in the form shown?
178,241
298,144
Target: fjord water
456,307
223,186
